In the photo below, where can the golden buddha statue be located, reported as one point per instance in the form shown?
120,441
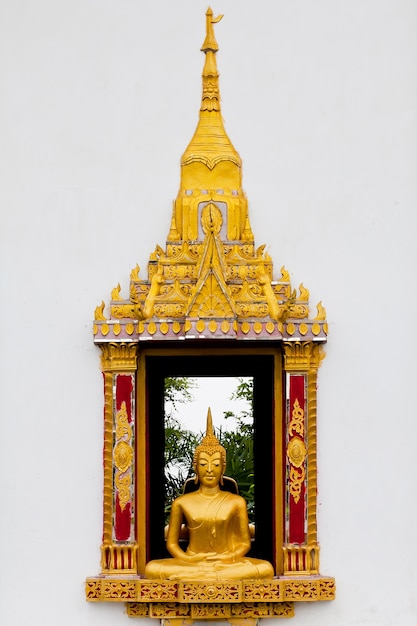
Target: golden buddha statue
217,524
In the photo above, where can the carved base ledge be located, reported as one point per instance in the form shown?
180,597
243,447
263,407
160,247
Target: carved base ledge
243,614
221,600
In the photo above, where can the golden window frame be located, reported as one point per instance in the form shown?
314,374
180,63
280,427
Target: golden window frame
210,294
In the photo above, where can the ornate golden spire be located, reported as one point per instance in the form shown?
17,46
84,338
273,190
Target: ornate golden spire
211,169
210,144
210,280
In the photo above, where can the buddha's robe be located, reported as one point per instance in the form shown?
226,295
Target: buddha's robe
218,541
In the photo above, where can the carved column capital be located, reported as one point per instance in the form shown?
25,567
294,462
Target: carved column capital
118,357
302,356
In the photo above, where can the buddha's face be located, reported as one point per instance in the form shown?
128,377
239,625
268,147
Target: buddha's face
209,469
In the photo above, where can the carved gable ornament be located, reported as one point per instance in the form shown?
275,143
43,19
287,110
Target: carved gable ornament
210,300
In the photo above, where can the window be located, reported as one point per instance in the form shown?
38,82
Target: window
266,373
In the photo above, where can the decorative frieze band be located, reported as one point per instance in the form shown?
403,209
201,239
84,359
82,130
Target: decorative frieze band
275,591
111,331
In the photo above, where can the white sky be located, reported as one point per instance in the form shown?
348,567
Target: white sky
214,393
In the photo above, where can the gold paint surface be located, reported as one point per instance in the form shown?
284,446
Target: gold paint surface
290,328
315,329
200,326
225,326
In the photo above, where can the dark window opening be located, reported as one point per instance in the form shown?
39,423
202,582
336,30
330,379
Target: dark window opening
261,369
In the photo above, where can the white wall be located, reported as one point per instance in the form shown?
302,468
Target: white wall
99,99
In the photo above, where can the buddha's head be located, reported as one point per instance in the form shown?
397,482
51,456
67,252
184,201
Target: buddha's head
209,461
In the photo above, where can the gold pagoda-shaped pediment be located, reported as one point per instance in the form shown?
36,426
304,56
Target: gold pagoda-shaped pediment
210,271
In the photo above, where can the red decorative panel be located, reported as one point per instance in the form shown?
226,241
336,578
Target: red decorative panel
296,454
124,391
122,521
123,457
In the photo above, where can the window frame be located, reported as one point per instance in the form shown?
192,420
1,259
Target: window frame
157,363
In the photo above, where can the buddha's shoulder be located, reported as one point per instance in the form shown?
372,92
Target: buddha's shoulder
184,498
234,497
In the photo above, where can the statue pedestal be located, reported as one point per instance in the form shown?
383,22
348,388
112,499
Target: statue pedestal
181,603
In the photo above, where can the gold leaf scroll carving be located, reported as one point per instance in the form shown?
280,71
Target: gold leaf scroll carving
296,451
297,420
123,428
297,477
123,456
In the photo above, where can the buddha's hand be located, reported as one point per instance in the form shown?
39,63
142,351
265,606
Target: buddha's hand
224,557
200,556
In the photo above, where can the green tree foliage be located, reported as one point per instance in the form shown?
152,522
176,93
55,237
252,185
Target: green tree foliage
179,447
239,444
178,389
181,443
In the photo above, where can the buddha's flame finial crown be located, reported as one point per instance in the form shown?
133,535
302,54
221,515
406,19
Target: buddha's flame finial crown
210,444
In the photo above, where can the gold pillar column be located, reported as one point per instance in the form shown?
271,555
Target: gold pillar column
304,358
117,359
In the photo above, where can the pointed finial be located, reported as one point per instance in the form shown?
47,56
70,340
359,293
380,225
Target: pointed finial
209,440
209,444
209,425
210,144
210,100
210,42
